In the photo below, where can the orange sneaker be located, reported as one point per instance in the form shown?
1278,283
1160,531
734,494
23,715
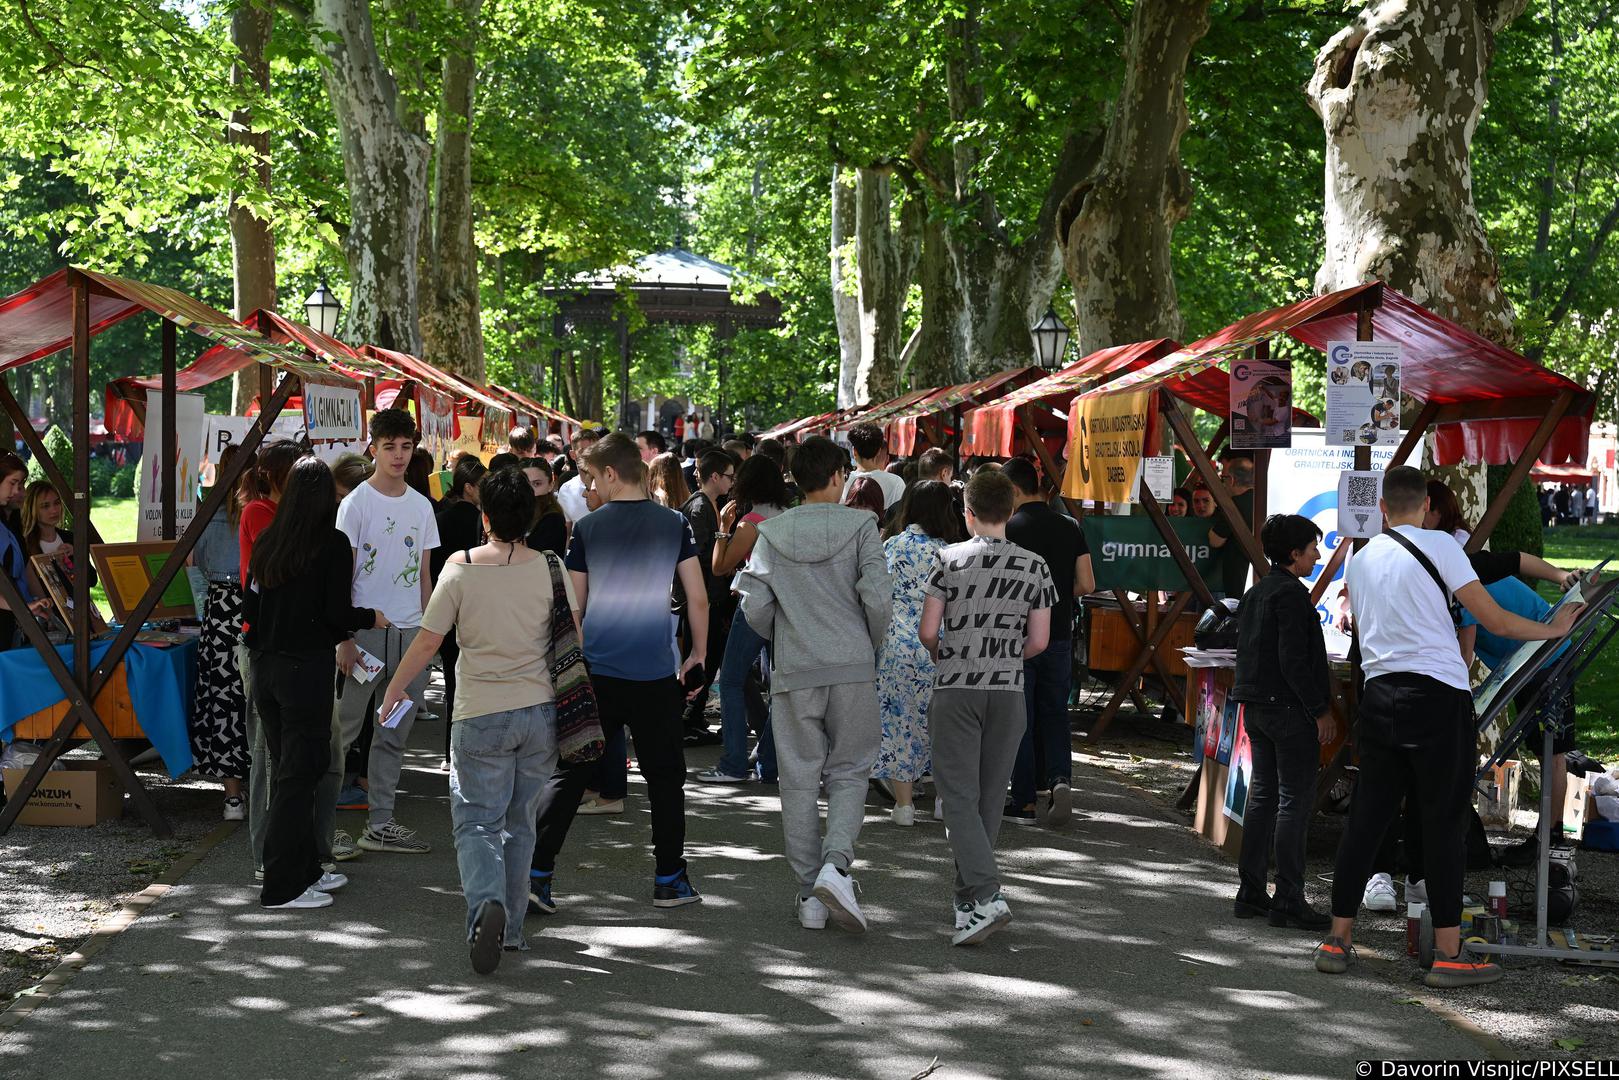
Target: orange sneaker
1333,955
1448,973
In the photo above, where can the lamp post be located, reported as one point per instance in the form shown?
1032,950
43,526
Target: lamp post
1050,340
322,310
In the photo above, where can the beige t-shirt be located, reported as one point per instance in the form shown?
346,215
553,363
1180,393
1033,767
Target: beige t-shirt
502,620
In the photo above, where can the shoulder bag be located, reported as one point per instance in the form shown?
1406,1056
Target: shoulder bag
579,729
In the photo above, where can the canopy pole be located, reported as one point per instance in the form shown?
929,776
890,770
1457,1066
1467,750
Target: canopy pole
171,449
1262,461
1047,462
1520,470
1339,554
81,483
1419,428
624,421
1222,498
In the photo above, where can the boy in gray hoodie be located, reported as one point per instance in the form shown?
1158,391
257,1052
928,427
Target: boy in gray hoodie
817,587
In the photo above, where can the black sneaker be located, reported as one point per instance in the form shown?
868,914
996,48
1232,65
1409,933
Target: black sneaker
1297,915
677,893
488,932
539,896
1020,815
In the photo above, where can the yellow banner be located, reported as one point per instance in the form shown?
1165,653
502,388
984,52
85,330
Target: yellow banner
1105,455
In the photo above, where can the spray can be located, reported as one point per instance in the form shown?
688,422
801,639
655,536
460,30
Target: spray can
1498,899
1414,912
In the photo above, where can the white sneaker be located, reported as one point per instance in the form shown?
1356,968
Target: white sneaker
1379,894
601,806
836,890
330,882
985,918
812,914
938,807
1416,892
963,912
309,898
1061,806
343,848
904,816
235,808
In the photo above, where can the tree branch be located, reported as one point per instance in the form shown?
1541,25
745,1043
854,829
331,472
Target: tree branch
1593,251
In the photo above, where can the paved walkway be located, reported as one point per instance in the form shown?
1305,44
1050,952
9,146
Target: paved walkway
1122,961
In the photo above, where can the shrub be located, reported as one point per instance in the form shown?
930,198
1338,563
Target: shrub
102,475
1520,525
123,482
60,447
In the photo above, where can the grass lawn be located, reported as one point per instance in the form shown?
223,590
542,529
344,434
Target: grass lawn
1597,695
115,520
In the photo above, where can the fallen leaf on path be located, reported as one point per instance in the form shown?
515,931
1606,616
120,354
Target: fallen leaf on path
1570,1044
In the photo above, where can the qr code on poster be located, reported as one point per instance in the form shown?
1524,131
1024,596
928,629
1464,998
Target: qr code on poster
1363,491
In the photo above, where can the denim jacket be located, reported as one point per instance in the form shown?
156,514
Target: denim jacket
1281,655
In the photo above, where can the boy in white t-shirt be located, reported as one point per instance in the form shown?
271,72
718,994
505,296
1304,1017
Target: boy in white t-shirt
392,529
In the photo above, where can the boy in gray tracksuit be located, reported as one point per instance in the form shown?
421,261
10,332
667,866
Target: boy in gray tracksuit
817,587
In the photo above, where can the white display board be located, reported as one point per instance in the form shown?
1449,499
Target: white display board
190,429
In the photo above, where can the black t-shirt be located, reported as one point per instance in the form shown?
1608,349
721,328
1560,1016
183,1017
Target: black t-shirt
705,523
550,533
460,526
1234,564
1060,542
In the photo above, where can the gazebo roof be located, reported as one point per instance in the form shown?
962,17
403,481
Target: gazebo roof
672,286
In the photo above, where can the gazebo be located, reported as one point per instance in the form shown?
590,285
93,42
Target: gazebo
674,287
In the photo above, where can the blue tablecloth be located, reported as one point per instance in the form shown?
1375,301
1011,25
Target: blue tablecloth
160,690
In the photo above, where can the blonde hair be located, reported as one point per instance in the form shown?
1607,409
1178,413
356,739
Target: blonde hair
30,513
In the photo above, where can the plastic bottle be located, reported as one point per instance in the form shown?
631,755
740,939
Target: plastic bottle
1498,899
1413,926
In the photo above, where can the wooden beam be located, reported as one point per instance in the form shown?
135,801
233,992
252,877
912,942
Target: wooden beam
1339,554
1222,498
217,495
36,447
79,712
1142,633
1508,409
1047,462
1127,681
1413,437
166,478
1194,580
1520,470
80,498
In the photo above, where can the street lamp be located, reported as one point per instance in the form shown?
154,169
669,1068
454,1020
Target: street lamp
322,310
1050,340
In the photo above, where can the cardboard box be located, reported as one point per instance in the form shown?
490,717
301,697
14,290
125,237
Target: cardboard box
79,794
1210,821
1500,795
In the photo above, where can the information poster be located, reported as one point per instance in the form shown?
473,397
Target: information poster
1241,774
1159,472
1105,455
1261,404
1363,393
190,428
435,415
1359,516
223,431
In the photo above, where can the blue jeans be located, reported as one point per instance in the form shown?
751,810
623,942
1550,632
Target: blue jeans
1046,753
499,765
742,648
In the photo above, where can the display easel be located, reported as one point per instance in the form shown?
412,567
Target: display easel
1599,618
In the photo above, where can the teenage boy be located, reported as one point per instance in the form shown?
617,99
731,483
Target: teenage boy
624,560
870,447
650,444
817,587
716,472
391,528
575,494
1045,756
987,611
521,442
1415,736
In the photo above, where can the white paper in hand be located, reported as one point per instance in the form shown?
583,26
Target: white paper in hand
397,714
366,668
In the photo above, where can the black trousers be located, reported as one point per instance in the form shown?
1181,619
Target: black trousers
1281,794
652,711
448,653
294,699
1416,744
720,610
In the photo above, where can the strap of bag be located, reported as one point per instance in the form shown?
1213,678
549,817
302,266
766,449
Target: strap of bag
1433,572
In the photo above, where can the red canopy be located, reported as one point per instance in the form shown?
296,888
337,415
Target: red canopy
992,430
1562,474
904,427
882,412
537,410
421,371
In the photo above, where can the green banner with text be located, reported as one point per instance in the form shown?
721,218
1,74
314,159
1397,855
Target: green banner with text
1129,552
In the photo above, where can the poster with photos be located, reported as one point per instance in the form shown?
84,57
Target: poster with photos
1261,404
1363,393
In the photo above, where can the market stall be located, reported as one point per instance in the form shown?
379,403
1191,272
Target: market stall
66,310
936,418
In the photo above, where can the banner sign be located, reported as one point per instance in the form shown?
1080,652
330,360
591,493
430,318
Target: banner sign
467,431
1363,393
1105,457
1129,553
332,413
435,415
497,424
1261,404
190,429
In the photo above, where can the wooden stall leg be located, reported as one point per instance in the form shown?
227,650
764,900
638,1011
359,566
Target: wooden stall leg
1127,680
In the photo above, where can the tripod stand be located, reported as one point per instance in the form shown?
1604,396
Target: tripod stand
1593,630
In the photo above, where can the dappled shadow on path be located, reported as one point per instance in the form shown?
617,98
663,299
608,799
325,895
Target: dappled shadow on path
1122,960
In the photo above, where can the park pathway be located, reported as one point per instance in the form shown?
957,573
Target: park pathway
1122,962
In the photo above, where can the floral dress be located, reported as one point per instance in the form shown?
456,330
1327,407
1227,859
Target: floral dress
904,668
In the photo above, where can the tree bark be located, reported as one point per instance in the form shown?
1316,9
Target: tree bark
845,302
452,333
1399,92
1119,221
385,166
252,238
582,379
886,260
